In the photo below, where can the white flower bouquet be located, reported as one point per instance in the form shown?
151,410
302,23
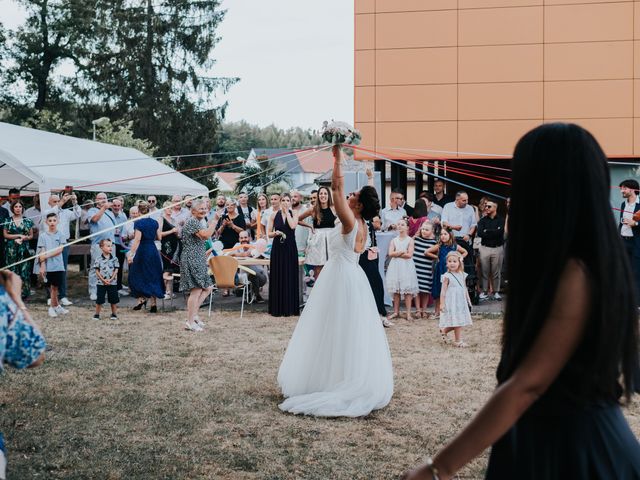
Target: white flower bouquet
340,133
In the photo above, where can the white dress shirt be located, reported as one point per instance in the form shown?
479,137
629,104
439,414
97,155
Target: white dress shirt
465,216
391,216
65,217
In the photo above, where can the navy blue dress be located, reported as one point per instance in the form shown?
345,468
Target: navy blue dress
145,272
284,297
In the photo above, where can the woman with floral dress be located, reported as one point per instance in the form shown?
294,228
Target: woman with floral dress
17,233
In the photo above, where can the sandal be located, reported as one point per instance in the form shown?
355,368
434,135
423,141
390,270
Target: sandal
409,317
419,314
444,337
392,316
460,344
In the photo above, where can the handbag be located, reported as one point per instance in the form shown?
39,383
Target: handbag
372,253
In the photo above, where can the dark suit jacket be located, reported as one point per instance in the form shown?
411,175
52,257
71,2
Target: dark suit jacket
635,230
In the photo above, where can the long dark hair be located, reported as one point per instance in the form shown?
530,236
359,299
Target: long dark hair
420,208
317,208
564,166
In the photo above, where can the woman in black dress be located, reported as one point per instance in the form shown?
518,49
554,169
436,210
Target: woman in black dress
230,225
170,249
570,337
284,297
324,221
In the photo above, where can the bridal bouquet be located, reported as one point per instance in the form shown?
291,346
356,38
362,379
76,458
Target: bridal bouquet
340,133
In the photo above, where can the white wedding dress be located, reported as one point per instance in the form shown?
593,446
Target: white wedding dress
338,362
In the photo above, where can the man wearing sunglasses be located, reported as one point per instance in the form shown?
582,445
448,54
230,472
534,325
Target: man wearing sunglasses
491,253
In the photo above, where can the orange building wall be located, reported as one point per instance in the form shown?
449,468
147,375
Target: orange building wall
474,75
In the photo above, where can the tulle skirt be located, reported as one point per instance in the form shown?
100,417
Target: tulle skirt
338,361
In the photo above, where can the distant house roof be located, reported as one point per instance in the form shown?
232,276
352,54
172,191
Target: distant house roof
227,181
312,161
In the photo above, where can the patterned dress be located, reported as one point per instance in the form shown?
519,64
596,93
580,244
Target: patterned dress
193,263
424,265
15,252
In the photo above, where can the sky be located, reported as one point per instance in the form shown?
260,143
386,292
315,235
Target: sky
294,59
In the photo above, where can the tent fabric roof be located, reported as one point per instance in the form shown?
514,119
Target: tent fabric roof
35,160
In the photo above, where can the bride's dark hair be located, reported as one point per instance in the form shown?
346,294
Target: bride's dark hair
370,202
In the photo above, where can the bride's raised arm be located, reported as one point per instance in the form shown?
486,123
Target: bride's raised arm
339,198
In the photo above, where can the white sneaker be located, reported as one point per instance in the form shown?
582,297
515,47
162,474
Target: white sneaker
387,323
123,292
193,327
60,310
496,296
52,312
49,301
483,296
199,322
93,297
65,302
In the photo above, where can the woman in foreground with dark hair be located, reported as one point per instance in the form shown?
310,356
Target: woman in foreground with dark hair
570,337
338,363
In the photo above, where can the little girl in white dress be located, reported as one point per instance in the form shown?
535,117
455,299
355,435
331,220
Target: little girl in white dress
454,300
401,278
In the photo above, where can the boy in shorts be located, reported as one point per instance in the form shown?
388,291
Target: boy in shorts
106,266
50,246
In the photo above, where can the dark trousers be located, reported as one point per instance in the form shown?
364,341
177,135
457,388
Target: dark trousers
372,272
120,255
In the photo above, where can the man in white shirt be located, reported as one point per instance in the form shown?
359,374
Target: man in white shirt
393,213
65,217
248,212
460,217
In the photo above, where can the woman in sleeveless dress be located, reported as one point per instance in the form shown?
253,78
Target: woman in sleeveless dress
284,296
570,334
324,219
338,363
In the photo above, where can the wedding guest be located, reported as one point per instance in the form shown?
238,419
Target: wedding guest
393,213
179,214
128,230
21,343
324,220
243,250
229,225
274,200
439,197
284,297
14,196
460,217
49,249
34,214
66,215
629,228
219,209
491,251
455,302
17,234
261,231
401,279
106,267
101,220
570,333
118,245
369,262
170,250
304,227
154,211
5,218
194,277
84,229
424,240
145,266
417,217
248,213
439,253
376,223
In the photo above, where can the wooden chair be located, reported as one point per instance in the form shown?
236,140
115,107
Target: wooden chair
224,270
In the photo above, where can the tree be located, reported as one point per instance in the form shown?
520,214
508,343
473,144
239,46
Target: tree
52,33
146,64
120,133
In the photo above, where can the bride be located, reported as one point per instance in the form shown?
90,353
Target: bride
338,363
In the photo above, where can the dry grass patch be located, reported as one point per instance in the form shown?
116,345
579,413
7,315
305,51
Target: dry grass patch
141,398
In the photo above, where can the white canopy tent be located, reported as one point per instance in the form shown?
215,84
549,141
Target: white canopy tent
38,161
